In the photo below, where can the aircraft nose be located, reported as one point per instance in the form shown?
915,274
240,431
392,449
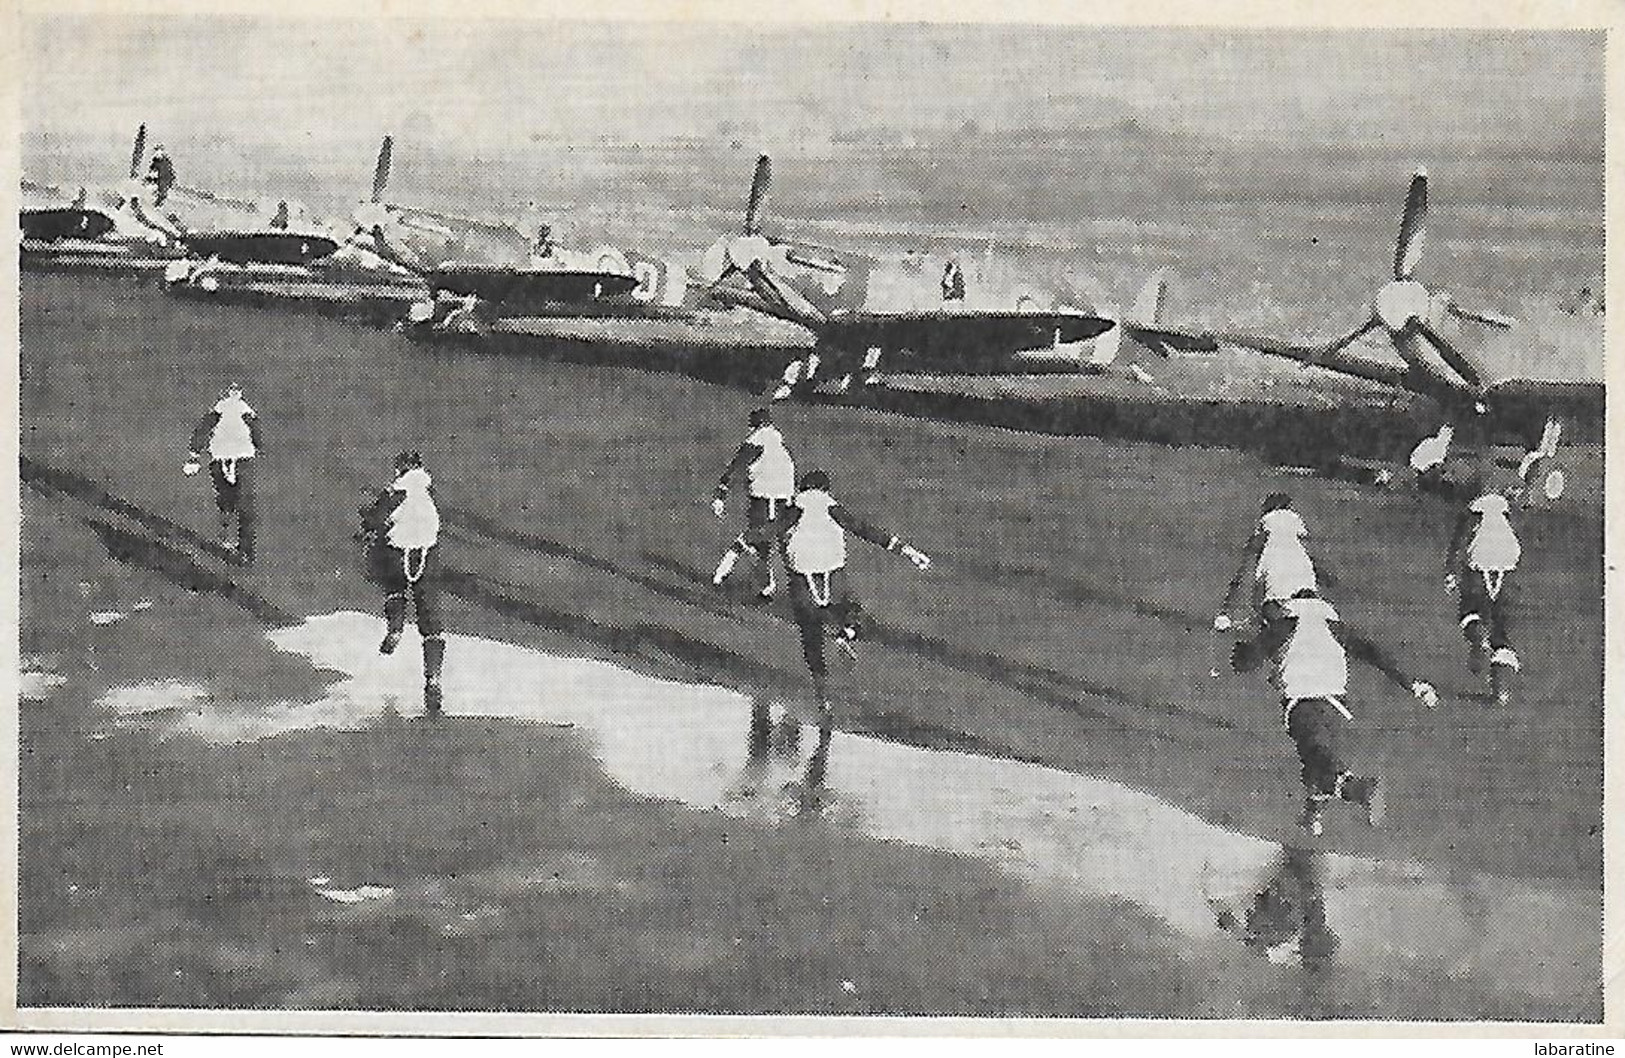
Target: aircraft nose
1402,301
746,250
714,262
370,215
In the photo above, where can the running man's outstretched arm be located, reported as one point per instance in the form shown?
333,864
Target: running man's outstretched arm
1248,654
746,455
1458,542
199,444
1365,650
375,516
875,535
1249,563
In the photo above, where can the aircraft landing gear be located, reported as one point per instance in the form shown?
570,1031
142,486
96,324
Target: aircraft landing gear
798,376
1536,471
871,366
801,376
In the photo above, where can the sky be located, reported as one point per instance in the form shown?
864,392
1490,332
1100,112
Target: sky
484,83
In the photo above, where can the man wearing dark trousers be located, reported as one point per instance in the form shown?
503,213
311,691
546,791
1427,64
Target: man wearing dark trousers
814,529
229,438
770,475
1308,648
1484,553
401,529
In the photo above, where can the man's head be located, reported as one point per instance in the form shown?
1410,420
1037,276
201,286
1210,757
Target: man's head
234,391
761,417
1276,501
814,479
1280,518
408,461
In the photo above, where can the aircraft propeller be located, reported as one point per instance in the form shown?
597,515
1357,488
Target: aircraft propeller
1410,312
757,259
374,216
380,172
140,149
760,182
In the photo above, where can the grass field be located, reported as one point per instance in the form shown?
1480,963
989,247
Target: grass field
1065,623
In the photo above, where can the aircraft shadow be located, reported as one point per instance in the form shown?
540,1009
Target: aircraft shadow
1050,686
756,368
1282,431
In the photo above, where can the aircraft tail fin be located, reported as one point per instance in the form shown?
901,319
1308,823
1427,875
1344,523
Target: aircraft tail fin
1137,327
380,171
1104,349
1146,314
1147,327
1147,310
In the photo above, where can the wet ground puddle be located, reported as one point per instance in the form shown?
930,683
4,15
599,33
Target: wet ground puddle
714,748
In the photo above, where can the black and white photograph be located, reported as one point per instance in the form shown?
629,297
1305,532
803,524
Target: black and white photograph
553,514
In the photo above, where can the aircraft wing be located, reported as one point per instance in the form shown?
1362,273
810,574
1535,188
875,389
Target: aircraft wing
256,246
1308,354
1160,339
453,223
1529,402
1334,355
950,341
217,199
519,289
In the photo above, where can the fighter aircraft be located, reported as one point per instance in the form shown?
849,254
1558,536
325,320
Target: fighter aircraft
1425,354
924,313
92,227
216,227
481,268
271,252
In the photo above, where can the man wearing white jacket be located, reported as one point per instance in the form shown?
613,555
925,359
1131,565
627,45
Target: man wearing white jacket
1308,648
770,481
401,528
1484,552
1275,561
813,528
229,438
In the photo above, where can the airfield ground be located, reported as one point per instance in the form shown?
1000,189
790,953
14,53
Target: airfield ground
1064,624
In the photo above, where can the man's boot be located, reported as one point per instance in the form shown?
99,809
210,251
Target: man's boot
395,620
434,656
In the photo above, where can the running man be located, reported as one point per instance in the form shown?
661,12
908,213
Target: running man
1308,648
1484,550
770,479
229,438
1276,560
401,528
813,528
